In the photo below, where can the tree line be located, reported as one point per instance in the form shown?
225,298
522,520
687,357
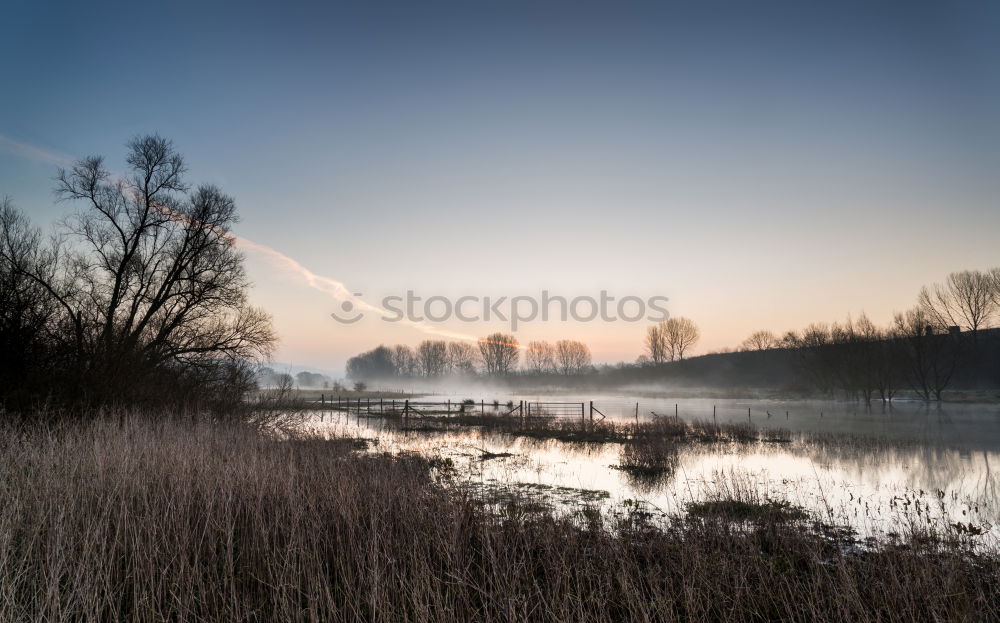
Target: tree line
497,354
921,349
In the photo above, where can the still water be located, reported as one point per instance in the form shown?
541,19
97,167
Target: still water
911,466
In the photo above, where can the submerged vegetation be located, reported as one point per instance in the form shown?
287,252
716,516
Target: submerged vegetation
158,519
735,498
599,431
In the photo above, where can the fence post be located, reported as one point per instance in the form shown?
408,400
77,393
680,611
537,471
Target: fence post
381,407
637,413
713,414
406,409
748,415
448,412
675,409
591,411
322,399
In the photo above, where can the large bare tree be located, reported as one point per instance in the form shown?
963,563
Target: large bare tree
681,334
147,276
967,299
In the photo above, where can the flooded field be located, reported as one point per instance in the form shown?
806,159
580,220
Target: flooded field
880,473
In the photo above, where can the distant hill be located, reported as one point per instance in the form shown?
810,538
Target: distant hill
977,368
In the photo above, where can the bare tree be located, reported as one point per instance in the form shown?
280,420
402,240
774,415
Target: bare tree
759,340
499,352
404,360
461,358
572,356
790,339
967,299
853,357
656,343
432,357
812,357
539,357
995,282
816,334
25,306
929,359
152,280
889,361
681,334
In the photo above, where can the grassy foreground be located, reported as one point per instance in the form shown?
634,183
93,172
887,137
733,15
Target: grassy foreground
162,520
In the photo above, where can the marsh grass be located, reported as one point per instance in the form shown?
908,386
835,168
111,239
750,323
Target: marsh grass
151,519
739,510
650,452
649,456
601,431
734,497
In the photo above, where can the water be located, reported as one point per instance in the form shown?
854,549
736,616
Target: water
912,466
971,426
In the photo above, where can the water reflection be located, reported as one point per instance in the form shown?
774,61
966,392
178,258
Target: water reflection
971,426
876,487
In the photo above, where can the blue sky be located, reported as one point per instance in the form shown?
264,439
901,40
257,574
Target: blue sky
762,164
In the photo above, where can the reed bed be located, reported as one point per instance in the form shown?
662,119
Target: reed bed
601,431
142,519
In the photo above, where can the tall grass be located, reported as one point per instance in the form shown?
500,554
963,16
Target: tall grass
146,520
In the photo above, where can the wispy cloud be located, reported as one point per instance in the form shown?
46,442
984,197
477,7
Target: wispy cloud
332,287
35,153
337,289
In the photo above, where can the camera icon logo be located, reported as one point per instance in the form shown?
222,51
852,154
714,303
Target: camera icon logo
347,307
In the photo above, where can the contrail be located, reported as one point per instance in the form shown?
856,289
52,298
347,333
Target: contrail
31,152
324,284
337,289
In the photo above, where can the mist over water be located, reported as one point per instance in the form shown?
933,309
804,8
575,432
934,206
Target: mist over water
879,471
967,426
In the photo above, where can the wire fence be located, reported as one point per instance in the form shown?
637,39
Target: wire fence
581,409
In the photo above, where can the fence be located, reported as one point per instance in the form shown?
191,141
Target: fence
378,407
615,409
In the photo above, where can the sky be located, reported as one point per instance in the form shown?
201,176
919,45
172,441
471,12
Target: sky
762,165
